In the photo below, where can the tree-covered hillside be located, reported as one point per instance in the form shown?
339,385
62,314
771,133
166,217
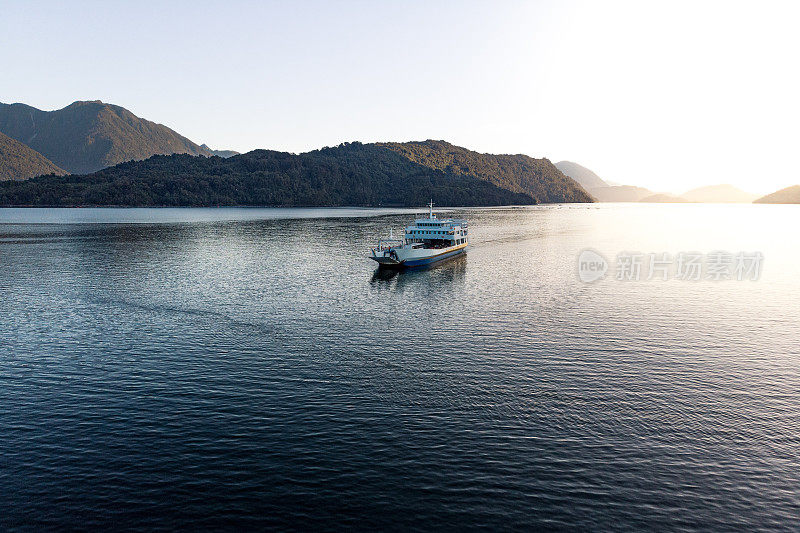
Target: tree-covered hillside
351,174
538,178
19,162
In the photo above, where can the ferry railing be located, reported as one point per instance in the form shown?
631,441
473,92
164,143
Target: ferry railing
388,244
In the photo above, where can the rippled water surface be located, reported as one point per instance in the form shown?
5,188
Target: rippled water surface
219,368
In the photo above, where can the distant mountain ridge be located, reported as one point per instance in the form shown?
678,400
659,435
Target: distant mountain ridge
584,176
220,153
87,136
351,174
600,189
719,194
662,198
620,193
603,191
19,162
789,195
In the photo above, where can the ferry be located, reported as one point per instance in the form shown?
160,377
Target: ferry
428,240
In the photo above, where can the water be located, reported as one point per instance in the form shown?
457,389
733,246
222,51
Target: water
251,368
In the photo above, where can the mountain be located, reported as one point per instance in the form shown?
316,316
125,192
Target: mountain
620,193
18,162
581,174
603,191
719,194
220,153
662,198
351,174
538,178
789,195
87,136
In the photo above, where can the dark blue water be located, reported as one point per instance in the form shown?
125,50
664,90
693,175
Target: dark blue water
224,368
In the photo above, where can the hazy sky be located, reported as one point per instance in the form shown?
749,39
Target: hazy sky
666,95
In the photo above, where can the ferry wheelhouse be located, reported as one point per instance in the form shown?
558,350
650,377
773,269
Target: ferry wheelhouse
428,240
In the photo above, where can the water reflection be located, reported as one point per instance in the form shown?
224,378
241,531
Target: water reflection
451,270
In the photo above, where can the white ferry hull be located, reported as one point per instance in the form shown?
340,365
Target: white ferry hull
418,256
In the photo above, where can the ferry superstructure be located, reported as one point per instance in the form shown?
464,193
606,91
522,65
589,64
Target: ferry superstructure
426,241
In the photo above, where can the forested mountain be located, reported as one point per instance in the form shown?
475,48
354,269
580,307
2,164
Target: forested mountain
88,136
789,195
581,174
19,162
351,174
538,178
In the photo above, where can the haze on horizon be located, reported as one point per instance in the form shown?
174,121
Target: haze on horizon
669,95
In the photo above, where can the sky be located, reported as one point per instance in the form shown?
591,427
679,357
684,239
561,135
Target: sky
665,95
